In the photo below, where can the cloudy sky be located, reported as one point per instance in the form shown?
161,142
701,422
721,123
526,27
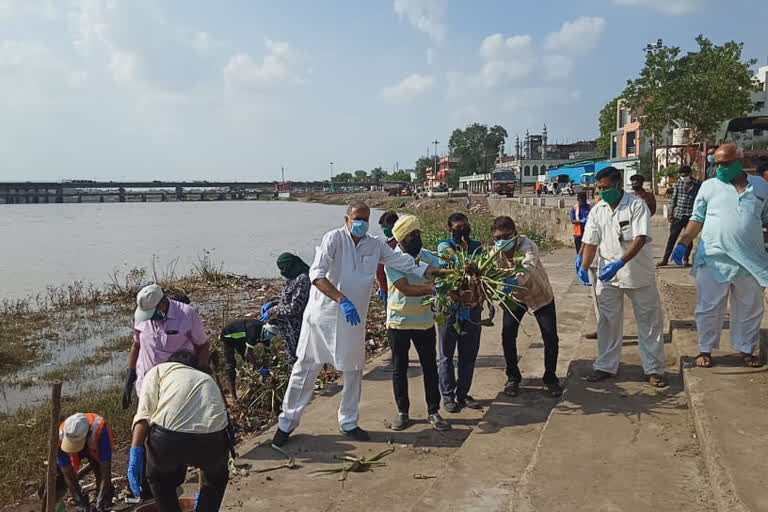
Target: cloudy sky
233,89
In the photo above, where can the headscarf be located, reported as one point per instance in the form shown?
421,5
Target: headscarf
291,266
405,225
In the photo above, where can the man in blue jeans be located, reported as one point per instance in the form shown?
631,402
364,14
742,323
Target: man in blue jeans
455,390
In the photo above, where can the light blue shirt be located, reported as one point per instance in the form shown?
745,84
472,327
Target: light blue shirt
732,236
409,312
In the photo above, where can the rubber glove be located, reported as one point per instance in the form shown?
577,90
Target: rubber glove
678,254
382,295
135,468
264,316
511,283
609,271
263,371
350,313
583,274
128,390
463,313
266,306
579,258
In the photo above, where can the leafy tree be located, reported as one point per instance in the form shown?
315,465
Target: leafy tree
401,176
344,177
361,175
476,147
421,167
378,174
607,125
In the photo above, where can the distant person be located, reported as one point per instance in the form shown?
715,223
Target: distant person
241,336
386,222
762,170
730,261
710,171
86,437
161,327
618,232
681,208
287,312
538,188
637,181
579,213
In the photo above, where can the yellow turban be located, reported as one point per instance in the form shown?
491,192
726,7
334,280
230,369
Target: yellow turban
404,225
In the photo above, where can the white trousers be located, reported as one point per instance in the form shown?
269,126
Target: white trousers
299,394
610,327
593,291
746,297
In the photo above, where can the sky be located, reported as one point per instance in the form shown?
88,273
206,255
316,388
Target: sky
237,89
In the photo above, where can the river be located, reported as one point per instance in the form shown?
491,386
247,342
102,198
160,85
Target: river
54,244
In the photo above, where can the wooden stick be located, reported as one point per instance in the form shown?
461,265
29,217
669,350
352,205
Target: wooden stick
53,446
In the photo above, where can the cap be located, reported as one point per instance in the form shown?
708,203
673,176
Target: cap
404,226
147,300
75,431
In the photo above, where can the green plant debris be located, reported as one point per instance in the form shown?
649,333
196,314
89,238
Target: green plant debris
358,464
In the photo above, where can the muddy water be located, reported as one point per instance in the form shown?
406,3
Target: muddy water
53,244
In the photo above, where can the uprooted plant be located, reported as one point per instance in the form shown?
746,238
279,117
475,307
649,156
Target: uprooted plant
358,464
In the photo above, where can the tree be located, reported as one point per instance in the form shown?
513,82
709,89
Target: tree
475,146
421,167
607,126
401,176
361,175
378,174
344,177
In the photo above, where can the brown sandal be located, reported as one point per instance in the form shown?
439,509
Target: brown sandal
599,375
656,381
751,361
707,359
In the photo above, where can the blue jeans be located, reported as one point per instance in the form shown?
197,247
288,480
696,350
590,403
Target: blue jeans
451,387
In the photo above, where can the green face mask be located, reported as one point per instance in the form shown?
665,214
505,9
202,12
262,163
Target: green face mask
387,231
727,173
610,196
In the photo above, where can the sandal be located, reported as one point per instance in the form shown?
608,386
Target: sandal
706,360
656,381
599,375
751,361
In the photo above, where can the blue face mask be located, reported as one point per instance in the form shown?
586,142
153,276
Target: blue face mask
359,228
711,158
505,245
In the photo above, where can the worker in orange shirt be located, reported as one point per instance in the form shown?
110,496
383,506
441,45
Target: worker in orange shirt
579,213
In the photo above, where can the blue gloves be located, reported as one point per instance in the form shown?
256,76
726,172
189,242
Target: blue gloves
678,254
263,371
266,306
350,313
135,469
264,317
579,258
609,271
511,282
382,295
583,274
463,313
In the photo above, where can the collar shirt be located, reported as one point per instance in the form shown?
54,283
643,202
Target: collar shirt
534,290
732,235
408,312
683,197
613,231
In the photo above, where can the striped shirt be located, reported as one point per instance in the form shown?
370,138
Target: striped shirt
408,312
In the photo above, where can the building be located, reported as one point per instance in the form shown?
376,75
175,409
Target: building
445,166
760,97
627,142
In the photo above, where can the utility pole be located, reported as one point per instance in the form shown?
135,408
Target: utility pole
331,182
282,172
434,169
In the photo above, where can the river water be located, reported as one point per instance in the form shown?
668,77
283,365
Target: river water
54,244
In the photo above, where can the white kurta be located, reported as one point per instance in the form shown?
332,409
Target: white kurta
326,336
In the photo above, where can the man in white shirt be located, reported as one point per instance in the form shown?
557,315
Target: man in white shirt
618,231
333,331
182,421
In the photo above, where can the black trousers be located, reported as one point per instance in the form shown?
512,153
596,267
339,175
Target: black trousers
677,227
425,341
546,317
577,243
168,455
249,331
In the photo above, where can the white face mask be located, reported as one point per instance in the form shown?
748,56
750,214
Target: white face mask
686,179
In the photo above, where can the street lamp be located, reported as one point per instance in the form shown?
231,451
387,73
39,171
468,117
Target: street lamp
330,183
434,169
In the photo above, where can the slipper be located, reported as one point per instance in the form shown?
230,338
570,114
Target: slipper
751,361
599,375
706,358
656,381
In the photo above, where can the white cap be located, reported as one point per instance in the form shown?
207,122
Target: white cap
147,300
75,431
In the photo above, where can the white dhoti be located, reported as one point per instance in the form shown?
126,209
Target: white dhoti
747,307
610,327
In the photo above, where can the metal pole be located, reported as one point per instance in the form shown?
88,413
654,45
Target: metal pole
53,447
434,171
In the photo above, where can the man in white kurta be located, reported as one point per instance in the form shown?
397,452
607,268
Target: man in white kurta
342,273
618,229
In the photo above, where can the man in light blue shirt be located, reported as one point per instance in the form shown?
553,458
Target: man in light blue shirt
730,212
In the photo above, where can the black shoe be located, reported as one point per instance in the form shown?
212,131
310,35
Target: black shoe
280,438
554,388
470,403
451,406
400,422
356,434
512,388
591,336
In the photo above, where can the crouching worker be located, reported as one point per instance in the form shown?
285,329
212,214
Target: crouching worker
87,437
532,292
182,421
408,320
241,336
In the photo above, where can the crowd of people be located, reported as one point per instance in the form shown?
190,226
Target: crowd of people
181,418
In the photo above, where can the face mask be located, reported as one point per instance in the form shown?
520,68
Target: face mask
158,316
637,187
686,179
359,228
505,245
610,196
727,173
387,231
412,246
711,158
461,234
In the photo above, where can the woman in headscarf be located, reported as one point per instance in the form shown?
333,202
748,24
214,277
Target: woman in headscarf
286,313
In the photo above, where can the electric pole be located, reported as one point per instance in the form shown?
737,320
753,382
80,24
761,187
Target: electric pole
434,170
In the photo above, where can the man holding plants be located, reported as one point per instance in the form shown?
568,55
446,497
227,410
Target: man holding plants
683,196
618,233
530,291
455,390
411,321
